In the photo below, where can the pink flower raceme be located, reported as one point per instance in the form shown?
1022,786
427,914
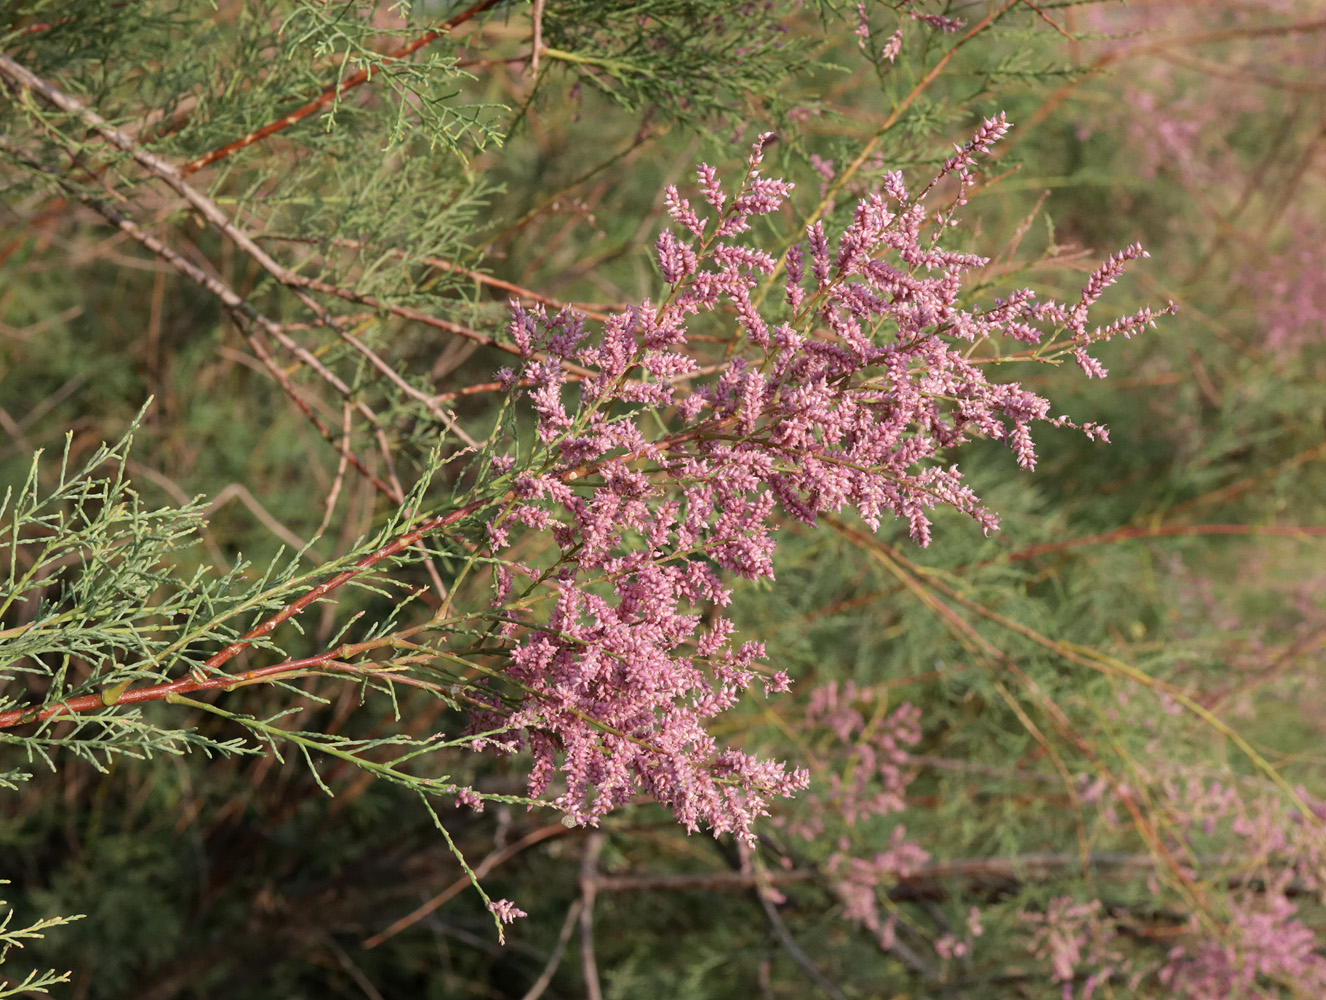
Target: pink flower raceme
506,912
848,390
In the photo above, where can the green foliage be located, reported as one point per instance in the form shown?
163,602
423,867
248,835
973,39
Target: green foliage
16,937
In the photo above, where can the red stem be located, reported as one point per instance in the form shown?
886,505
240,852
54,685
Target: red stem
194,682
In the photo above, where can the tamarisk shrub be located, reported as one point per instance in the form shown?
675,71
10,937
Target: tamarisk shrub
660,478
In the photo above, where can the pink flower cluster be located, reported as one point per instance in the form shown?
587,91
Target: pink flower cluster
871,783
893,45
1255,946
874,783
655,480
1265,944
1074,937
1268,947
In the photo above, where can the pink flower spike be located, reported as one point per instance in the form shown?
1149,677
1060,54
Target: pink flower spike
893,47
506,910
990,132
680,209
762,142
713,190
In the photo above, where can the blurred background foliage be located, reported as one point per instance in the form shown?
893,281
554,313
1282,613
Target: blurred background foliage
1188,550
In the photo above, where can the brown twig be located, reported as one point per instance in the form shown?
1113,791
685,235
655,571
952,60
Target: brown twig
405,312
764,892
1167,531
208,209
541,984
592,310
334,493
589,886
1048,20
236,305
537,42
485,866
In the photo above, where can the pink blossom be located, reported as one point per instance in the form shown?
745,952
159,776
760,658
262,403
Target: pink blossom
658,484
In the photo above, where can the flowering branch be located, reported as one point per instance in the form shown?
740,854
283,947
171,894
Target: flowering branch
848,401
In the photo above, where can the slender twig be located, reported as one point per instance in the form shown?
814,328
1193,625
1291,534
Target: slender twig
334,493
264,517
485,866
238,307
168,174
1167,531
764,893
589,885
544,980
1048,20
592,310
405,312
537,42
352,970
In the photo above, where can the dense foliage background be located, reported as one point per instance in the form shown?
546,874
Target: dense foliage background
1078,756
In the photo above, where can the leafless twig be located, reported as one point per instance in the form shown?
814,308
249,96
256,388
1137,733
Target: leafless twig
559,949
764,892
589,885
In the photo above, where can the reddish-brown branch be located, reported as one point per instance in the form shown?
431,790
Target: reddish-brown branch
189,685
1046,18
590,309
198,681
332,93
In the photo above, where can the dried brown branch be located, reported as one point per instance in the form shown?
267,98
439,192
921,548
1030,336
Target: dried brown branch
208,209
590,309
768,900
589,886
544,980
238,307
